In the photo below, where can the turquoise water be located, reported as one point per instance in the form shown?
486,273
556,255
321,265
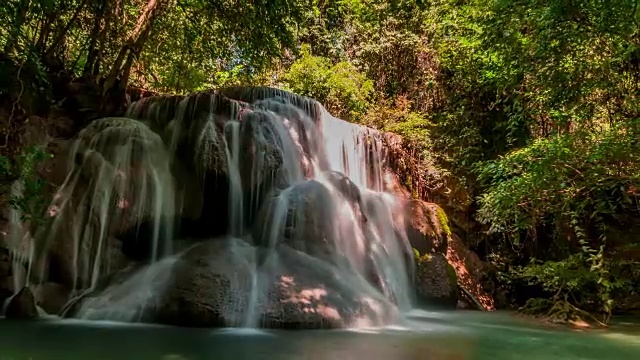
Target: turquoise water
425,335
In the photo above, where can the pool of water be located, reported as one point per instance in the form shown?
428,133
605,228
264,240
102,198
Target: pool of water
424,335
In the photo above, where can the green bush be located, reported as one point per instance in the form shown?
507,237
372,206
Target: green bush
567,191
579,179
32,200
343,90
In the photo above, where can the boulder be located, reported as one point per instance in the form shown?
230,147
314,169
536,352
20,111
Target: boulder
308,293
122,168
119,180
209,286
212,287
217,284
318,219
436,281
349,190
300,217
22,306
427,227
261,152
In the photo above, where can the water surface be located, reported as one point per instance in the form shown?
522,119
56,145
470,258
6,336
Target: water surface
425,335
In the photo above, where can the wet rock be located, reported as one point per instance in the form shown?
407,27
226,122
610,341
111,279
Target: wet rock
209,286
212,285
348,189
303,131
262,151
119,179
60,265
51,297
300,218
427,227
157,110
22,306
123,169
251,94
307,293
436,281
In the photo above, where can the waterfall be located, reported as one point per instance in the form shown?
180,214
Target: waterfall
297,193
20,243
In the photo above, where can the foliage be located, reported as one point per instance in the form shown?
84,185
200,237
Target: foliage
581,184
171,45
579,175
340,87
32,199
571,286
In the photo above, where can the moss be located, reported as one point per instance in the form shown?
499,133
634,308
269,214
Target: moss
416,254
421,259
444,221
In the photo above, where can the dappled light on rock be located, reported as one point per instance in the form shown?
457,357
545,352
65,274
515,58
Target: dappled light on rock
470,271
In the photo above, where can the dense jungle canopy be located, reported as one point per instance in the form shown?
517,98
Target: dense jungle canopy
522,118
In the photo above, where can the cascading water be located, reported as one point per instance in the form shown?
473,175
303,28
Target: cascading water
272,194
232,150
119,183
20,242
353,150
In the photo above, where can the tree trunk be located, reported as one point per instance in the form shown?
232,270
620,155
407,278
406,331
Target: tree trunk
43,34
134,53
140,31
114,87
92,52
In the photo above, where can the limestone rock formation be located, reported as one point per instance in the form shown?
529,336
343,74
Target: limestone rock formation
300,218
261,150
22,306
209,286
281,209
215,284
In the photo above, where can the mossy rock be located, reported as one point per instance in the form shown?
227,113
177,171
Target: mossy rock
427,227
22,306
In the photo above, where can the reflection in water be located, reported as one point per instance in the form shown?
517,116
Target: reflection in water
427,335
